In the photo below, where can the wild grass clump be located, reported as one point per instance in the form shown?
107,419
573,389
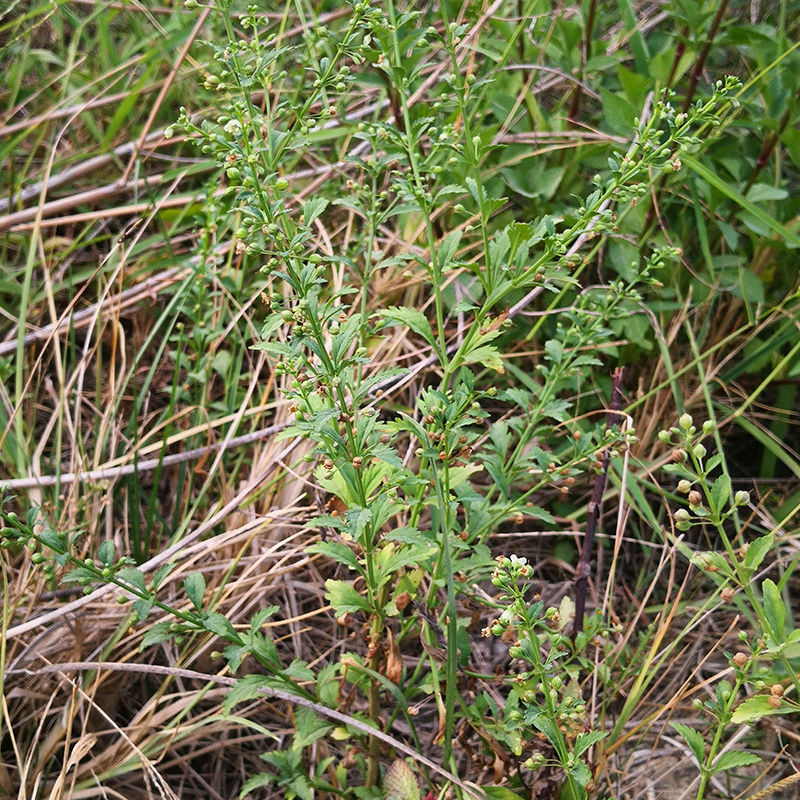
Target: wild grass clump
427,430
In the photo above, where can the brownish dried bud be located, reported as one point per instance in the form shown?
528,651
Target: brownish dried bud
357,462
509,636
394,663
741,659
727,594
678,455
774,702
776,690
695,498
402,600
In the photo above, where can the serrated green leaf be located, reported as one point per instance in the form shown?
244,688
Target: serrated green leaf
298,671
412,536
54,540
261,616
308,727
142,608
539,513
344,598
733,759
156,634
264,649
326,521
336,551
757,551
408,556
105,553
79,573
774,609
313,208
327,685
580,772
463,307
447,249
542,723
757,706
134,577
585,740
221,625
161,574
357,520
388,455
486,355
693,738
459,475
400,782
720,493
195,588
247,688
500,437
554,350
413,318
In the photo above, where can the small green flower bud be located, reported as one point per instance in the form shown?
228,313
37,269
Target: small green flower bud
684,486
685,421
699,450
536,761
682,515
281,184
741,498
664,437
708,427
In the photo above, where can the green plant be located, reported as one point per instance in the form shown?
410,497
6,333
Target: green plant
428,517
713,507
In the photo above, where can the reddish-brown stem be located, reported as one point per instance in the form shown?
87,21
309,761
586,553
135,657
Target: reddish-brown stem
583,569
